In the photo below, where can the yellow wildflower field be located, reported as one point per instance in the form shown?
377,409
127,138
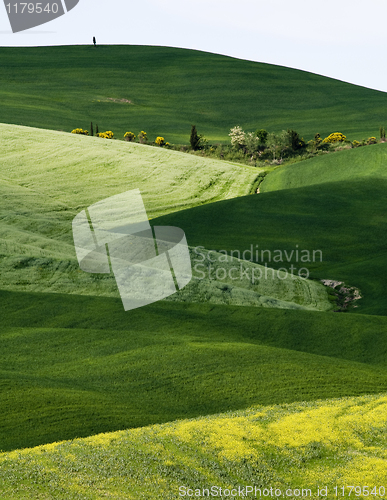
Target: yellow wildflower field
324,449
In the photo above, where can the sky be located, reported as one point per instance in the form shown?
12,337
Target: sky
344,40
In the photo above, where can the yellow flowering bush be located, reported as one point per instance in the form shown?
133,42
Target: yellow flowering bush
142,137
372,140
356,144
106,135
80,131
129,136
335,137
160,141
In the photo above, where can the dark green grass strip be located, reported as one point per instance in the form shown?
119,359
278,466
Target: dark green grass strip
346,220
72,366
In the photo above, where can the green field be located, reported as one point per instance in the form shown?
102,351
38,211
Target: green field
62,88
67,360
42,192
302,446
344,217
363,164
72,366
271,352
73,171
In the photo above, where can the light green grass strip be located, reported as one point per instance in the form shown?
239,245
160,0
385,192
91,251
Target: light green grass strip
69,172
363,163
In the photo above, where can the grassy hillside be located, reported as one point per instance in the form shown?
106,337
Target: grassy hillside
234,281
335,203
48,177
332,443
75,365
169,89
57,171
361,164
72,366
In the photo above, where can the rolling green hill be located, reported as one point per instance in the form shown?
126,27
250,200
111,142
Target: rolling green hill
48,177
359,164
295,449
72,366
75,365
169,89
71,171
334,203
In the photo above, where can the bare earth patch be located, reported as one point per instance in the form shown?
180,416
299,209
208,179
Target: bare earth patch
346,295
119,100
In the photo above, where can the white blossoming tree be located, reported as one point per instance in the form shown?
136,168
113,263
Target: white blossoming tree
238,137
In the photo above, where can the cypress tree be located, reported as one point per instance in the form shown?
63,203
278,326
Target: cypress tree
96,130
91,129
194,138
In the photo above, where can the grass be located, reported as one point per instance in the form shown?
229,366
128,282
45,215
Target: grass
66,172
42,192
75,365
72,366
345,220
302,446
360,164
62,88
226,280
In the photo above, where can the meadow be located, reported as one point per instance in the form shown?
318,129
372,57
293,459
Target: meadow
300,449
72,171
73,366
42,192
169,89
226,382
70,354
344,219
359,164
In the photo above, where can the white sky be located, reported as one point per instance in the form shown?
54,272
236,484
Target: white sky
344,40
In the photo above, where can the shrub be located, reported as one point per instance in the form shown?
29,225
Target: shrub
194,138
160,141
317,144
106,135
277,144
142,137
80,131
335,137
129,136
262,135
295,141
372,140
238,137
356,144
252,143
196,141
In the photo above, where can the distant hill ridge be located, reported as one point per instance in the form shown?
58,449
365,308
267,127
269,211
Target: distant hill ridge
164,90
